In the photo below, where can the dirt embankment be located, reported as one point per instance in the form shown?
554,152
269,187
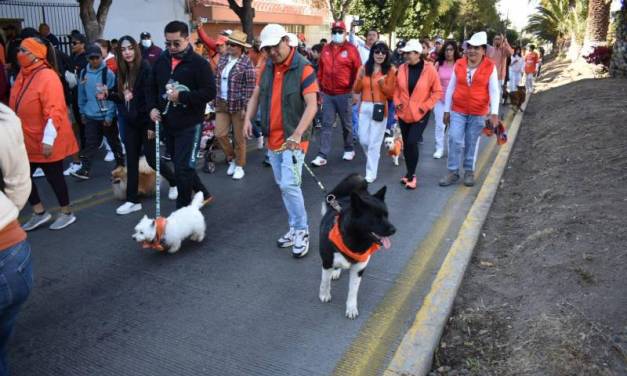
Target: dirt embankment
546,291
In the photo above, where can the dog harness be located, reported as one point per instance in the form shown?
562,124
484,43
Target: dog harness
336,238
160,223
396,150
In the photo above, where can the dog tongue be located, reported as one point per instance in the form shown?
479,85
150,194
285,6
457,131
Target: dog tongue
386,242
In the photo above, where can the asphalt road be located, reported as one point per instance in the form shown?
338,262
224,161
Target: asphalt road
234,304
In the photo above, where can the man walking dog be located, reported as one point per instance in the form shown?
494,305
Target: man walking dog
286,121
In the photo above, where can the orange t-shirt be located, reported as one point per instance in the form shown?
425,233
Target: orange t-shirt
531,60
276,138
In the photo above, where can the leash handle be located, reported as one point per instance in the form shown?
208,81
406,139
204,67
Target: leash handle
158,166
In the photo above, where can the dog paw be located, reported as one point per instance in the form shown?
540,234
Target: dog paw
325,297
352,312
335,274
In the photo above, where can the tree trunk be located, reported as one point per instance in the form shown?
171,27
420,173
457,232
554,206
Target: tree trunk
94,22
598,23
339,8
618,65
246,13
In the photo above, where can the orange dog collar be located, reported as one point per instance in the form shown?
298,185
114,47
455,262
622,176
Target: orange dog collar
336,238
160,223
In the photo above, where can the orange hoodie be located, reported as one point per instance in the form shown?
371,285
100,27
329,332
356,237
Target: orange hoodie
375,92
426,94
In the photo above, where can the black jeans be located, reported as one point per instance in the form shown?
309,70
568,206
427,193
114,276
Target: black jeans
94,130
135,139
184,144
54,175
412,134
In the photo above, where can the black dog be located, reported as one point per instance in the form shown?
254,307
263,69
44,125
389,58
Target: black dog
348,237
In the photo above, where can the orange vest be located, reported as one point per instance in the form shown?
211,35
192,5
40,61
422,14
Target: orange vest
473,99
336,238
426,94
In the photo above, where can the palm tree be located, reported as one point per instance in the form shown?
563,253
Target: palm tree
618,66
561,22
598,22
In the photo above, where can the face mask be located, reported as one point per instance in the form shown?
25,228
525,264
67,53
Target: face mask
337,38
24,60
146,43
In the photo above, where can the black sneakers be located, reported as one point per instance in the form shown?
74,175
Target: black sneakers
82,173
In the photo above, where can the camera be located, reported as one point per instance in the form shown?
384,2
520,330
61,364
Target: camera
358,22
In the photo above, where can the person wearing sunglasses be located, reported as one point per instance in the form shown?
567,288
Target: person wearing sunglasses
375,85
286,94
417,91
37,99
447,57
473,93
235,82
337,71
181,109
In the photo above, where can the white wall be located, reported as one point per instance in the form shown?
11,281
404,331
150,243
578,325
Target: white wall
131,17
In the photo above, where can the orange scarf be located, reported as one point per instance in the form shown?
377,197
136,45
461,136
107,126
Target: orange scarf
336,238
156,243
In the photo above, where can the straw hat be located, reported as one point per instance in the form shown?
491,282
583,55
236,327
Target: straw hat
239,38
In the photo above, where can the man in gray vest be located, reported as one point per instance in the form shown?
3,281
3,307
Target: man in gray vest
286,94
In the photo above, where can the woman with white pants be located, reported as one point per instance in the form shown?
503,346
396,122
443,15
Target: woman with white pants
375,84
515,69
449,53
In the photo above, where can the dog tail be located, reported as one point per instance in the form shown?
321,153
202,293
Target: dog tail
198,200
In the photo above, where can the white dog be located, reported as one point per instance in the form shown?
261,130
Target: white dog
394,145
187,222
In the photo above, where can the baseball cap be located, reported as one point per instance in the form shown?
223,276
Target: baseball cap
93,50
293,40
478,39
271,35
413,45
338,25
144,35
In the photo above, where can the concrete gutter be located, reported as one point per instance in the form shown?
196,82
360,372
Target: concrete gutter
414,355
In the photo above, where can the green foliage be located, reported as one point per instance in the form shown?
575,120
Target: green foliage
558,20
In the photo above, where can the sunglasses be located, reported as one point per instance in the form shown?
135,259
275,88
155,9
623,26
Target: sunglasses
74,43
379,52
267,49
175,43
229,44
95,57
337,31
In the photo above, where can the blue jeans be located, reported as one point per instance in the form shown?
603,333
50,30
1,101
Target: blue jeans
464,133
391,115
332,105
16,281
288,177
355,120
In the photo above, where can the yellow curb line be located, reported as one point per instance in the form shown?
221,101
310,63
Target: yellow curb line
415,353
367,353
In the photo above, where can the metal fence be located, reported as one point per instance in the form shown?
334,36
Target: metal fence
61,17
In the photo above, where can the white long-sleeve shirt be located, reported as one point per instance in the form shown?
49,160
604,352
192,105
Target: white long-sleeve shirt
362,48
494,90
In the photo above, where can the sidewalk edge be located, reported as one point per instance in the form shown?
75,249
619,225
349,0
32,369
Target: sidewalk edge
414,355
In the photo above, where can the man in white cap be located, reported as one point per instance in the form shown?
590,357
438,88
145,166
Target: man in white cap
472,93
286,121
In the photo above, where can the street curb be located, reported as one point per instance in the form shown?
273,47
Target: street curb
414,355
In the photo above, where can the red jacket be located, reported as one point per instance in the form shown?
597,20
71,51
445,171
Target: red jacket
473,99
338,68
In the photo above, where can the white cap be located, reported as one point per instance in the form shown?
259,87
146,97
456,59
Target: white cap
293,40
412,45
271,35
478,39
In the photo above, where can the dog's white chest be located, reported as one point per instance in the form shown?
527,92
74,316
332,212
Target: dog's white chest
339,261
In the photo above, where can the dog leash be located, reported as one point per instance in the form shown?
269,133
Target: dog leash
158,166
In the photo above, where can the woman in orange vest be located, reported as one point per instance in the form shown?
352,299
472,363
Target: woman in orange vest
417,91
38,100
375,84
472,94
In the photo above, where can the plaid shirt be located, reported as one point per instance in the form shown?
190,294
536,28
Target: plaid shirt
241,82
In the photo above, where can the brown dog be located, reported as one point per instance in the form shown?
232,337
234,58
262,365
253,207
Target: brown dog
146,185
518,97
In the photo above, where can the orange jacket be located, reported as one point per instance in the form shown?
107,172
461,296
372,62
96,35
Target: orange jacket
43,99
473,99
428,91
375,92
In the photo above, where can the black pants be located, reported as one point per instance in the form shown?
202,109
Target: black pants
94,130
136,139
77,118
184,144
54,175
412,134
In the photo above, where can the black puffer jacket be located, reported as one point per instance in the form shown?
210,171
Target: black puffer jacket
194,72
137,112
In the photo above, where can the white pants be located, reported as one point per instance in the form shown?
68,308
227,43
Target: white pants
438,112
514,81
529,82
370,137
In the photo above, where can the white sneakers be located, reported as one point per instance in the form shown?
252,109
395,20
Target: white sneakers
301,243
74,167
128,207
109,157
231,170
238,173
319,161
369,179
260,142
438,154
348,155
173,193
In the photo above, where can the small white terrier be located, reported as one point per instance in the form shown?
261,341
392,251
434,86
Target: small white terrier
187,222
394,145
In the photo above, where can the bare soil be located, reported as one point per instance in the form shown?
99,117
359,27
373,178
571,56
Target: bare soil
546,291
